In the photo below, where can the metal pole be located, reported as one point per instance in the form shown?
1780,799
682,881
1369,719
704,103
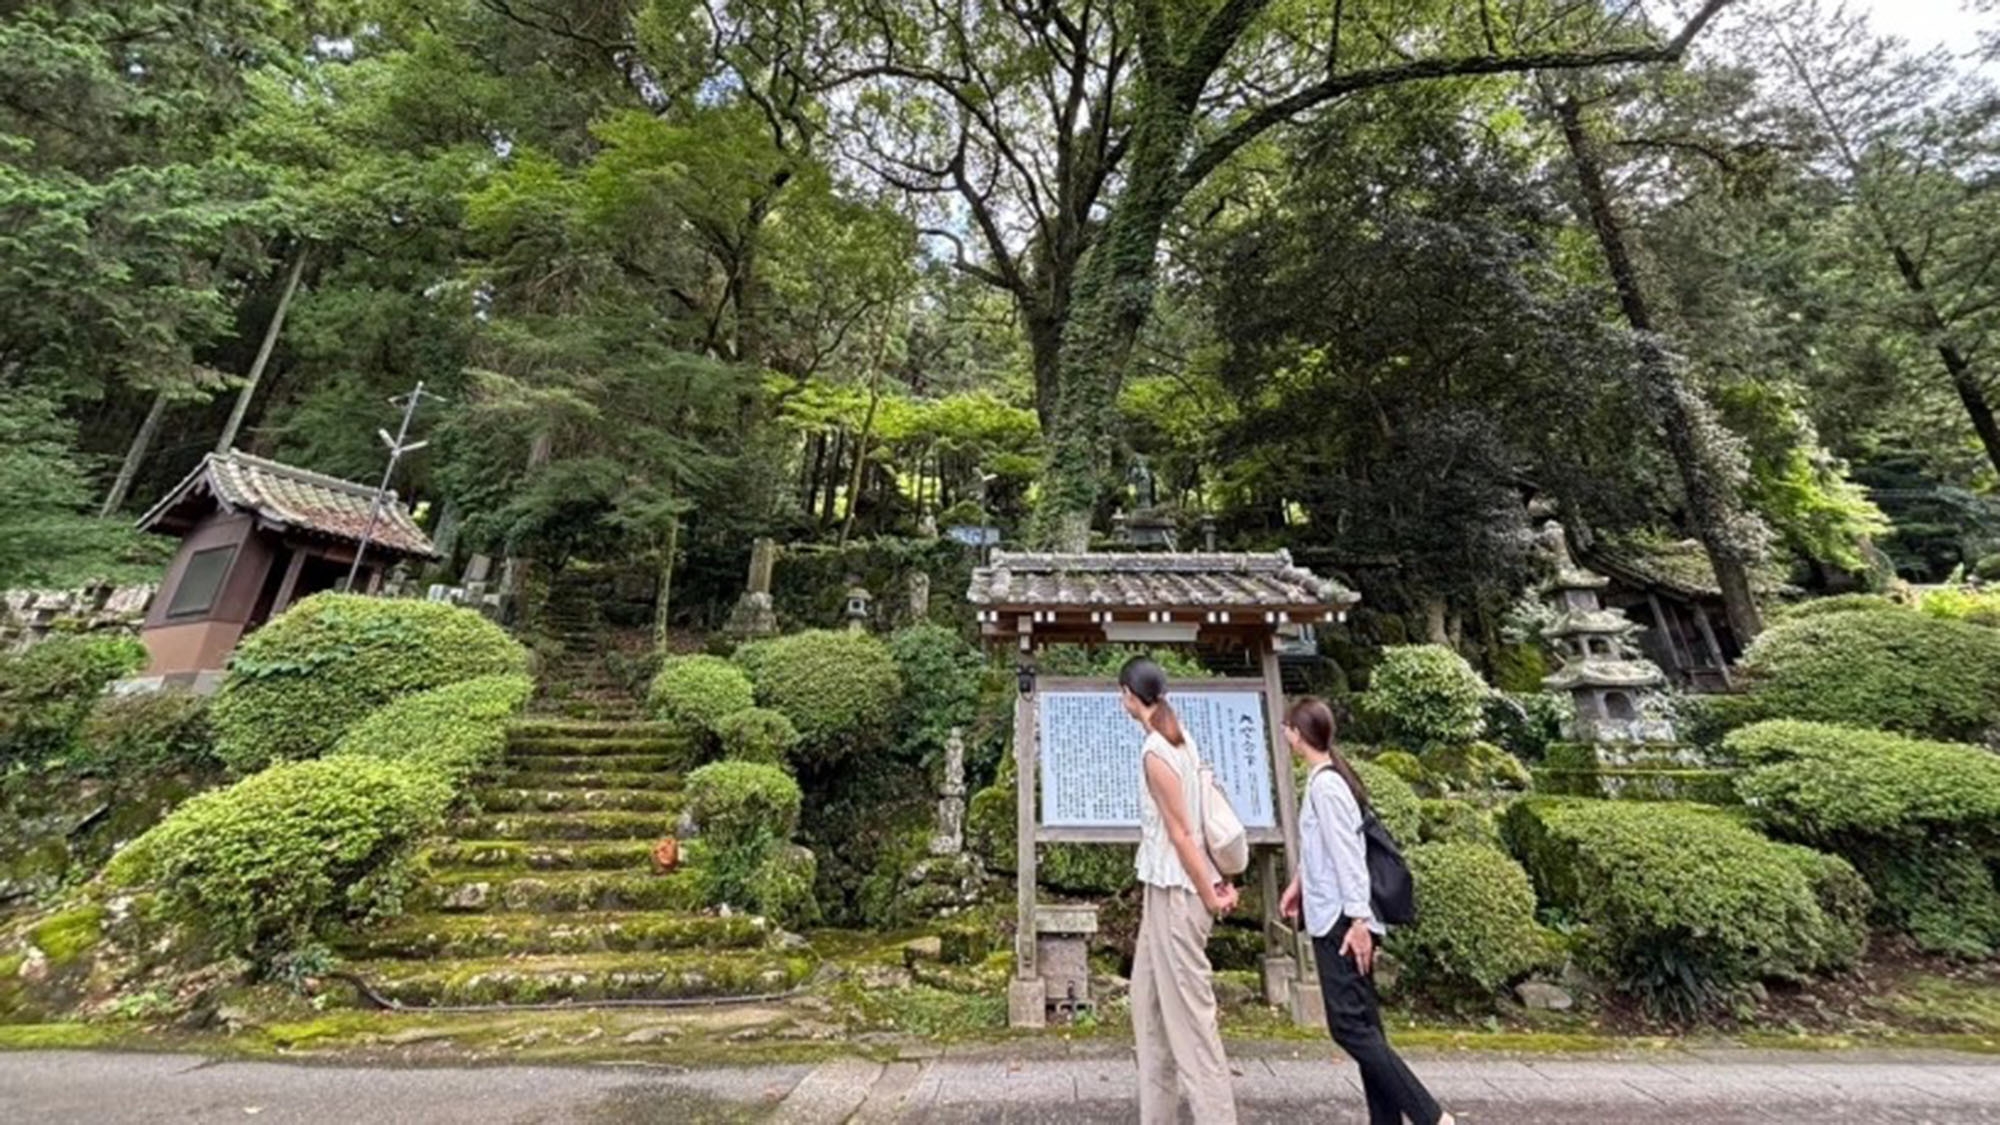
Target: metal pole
396,451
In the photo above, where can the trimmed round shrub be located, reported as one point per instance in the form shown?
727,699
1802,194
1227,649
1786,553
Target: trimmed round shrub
1475,930
1684,905
697,692
1473,767
457,729
1921,820
1837,604
275,860
1450,821
941,677
737,803
1393,800
1403,764
48,691
757,734
297,684
1890,669
1427,694
839,689
146,733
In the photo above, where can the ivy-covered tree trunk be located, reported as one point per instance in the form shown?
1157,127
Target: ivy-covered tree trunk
1687,427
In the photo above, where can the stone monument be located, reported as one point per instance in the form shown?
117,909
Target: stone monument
952,879
754,615
920,595
1614,688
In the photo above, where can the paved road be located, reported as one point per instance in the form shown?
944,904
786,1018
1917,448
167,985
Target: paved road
1724,1087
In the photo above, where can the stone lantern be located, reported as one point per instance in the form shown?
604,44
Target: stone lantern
1609,681
860,604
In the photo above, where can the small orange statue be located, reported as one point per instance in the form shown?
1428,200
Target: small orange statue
666,854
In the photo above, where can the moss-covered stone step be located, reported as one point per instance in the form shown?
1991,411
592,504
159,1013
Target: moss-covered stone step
587,977
584,777
427,936
680,753
572,892
576,800
611,825
541,855
584,728
670,765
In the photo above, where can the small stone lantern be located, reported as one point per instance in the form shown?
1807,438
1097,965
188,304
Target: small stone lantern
1062,954
860,604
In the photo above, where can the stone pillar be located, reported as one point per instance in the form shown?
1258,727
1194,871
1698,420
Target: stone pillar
754,615
950,838
920,595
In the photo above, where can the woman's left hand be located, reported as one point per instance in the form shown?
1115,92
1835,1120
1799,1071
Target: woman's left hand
1226,896
1360,945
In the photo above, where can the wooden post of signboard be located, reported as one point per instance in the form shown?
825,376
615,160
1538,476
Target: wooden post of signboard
1288,976
1027,993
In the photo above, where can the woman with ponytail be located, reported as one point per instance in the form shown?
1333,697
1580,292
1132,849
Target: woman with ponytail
1173,997
1332,889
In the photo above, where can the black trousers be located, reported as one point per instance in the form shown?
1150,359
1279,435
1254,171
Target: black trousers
1354,1016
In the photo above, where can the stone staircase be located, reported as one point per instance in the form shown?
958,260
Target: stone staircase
544,891
577,680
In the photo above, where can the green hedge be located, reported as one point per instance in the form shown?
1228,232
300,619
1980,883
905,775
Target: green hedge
457,729
1447,821
941,675
1829,607
48,691
1475,930
1685,905
1427,694
1394,801
757,734
1473,767
839,689
747,813
1889,669
697,692
275,860
1661,772
297,684
1920,819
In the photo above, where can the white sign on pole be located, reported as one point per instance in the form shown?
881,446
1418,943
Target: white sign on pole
1090,755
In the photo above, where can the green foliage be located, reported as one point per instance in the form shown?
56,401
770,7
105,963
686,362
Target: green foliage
1921,820
1957,603
757,734
1520,668
698,692
941,676
1393,801
1684,904
1705,720
296,685
1446,820
1427,694
1476,930
743,803
1473,767
1403,764
1880,668
46,537
144,733
781,888
457,729
48,691
1104,663
838,689
1524,724
1827,607
269,863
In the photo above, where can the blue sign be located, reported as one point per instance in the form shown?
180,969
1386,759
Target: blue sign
973,536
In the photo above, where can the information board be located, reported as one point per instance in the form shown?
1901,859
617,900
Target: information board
1090,755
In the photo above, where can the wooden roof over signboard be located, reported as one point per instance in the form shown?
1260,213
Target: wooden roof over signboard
1211,589
286,498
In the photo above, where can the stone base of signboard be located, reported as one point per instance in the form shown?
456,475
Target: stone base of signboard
1308,1006
1280,974
1027,1004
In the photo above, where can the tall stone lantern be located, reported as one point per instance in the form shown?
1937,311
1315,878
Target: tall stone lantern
1609,681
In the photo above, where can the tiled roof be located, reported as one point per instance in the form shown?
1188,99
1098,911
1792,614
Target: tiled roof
298,499
1680,568
1152,581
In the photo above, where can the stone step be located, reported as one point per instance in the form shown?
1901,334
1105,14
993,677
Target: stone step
500,856
557,747
602,825
583,728
576,800
584,977
584,774
649,765
424,936
569,892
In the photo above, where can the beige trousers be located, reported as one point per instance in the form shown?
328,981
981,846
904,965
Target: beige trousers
1173,1014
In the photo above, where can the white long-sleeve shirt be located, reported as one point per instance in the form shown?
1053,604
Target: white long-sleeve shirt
1333,858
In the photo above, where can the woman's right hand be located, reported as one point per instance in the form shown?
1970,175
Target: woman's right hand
1288,906
1222,898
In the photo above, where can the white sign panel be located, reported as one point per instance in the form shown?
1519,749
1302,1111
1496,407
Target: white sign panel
1090,755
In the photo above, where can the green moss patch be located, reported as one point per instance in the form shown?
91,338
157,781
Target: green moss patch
577,800
566,826
69,935
462,936
570,893
55,1036
586,774
583,978
541,855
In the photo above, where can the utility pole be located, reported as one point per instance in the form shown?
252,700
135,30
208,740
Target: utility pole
397,447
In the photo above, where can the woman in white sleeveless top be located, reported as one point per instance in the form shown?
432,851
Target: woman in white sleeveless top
1173,997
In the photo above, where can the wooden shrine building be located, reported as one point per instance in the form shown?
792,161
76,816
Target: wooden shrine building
1078,754
257,536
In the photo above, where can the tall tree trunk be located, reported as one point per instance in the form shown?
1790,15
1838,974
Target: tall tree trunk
135,455
663,603
1970,394
867,430
833,480
1434,620
1679,412
264,350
